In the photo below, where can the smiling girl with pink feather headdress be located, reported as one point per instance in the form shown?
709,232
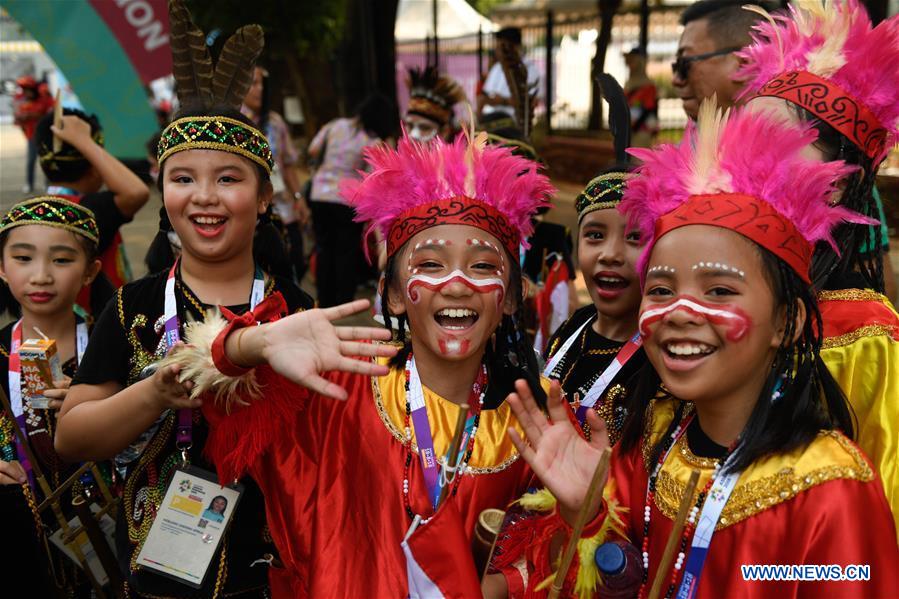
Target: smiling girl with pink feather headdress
826,64
735,389
365,496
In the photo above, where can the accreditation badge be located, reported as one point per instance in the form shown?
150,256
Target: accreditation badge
189,526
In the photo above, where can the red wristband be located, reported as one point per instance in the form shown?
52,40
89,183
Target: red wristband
269,310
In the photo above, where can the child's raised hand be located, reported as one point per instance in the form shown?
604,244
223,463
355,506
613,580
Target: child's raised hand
303,345
12,473
58,393
168,392
74,131
562,459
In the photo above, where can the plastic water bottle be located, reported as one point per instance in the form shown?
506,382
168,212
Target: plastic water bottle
620,568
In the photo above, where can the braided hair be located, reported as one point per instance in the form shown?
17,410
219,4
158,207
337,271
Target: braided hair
829,266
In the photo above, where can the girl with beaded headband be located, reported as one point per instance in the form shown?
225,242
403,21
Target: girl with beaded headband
215,181
375,475
48,254
732,333
826,64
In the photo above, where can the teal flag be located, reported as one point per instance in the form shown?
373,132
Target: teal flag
97,66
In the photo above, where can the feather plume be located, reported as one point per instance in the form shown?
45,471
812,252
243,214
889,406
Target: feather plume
191,62
234,69
416,174
834,40
523,94
755,154
195,361
435,86
619,115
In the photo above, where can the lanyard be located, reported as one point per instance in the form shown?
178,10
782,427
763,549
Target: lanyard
608,375
708,518
605,379
172,335
557,357
424,438
15,383
705,528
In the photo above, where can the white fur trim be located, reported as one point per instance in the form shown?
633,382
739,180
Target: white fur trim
195,360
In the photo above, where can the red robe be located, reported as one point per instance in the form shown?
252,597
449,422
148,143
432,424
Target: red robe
332,475
818,506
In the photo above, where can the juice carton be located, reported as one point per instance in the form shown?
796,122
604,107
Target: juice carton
40,367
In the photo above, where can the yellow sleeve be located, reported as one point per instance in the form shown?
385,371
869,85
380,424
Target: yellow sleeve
868,372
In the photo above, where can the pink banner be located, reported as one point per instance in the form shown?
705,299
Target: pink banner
142,29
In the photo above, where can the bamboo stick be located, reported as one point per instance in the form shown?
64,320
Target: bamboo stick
568,555
686,503
453,455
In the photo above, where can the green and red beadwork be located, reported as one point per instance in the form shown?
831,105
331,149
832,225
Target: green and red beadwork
600,193
215,133
52,211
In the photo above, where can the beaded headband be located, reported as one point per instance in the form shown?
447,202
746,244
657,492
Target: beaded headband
603,192
215,133
52,211
49,159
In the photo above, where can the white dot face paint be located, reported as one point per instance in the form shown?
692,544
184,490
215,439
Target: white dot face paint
502,257
719,267
662,268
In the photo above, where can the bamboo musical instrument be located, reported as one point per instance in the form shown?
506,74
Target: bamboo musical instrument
57,121
686,503
568,555
453,454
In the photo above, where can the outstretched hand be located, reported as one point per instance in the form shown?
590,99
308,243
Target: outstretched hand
562,459
303,345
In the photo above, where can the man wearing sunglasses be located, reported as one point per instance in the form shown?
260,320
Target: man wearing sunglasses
713,31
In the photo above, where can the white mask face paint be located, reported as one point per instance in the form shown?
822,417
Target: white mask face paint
422,133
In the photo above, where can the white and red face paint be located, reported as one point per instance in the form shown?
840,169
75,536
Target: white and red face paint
436,284
736,320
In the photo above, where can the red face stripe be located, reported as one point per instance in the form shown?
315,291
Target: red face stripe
457,276
737,321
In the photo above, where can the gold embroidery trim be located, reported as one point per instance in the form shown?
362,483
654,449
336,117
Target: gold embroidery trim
691,458
398,435
853,295
871,330
4,352
756,496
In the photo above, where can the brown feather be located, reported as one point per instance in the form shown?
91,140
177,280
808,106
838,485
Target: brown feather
523,96
191,62
234,70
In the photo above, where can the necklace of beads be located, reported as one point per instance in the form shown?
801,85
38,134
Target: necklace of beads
690,525
478,390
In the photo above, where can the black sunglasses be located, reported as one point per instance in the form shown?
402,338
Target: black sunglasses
681,66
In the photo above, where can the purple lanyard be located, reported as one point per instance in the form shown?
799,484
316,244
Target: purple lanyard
423,436
184,432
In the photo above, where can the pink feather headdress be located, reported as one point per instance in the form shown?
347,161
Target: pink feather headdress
827,58
466,182
743,172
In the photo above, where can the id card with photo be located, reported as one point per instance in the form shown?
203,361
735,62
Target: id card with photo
189,526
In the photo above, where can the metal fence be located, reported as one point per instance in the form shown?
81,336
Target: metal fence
565,89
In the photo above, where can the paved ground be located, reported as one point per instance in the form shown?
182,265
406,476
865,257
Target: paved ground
139,233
